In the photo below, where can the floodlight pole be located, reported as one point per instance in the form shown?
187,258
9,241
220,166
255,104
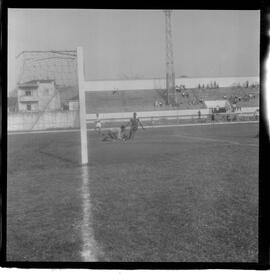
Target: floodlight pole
83,128
170,75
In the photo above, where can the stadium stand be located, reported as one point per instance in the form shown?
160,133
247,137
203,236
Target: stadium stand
149,100
137,100
242,97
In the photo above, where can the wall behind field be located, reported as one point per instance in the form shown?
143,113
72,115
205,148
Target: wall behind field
161,84
48,120
70,119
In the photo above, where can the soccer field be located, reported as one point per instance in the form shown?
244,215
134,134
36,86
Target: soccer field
176,194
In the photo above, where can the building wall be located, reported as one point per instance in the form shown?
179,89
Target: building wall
22,105
73,105
43,94
161,83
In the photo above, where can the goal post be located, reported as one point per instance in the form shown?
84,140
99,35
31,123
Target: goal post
83,124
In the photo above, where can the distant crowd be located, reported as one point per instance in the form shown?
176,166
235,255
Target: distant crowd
211,85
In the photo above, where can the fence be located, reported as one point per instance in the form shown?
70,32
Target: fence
181,119
70,119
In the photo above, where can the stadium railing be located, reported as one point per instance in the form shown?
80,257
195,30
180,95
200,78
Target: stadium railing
181,119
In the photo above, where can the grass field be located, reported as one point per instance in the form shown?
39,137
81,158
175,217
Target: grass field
178,194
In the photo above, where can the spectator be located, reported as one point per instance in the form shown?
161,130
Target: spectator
213,116
115,91
160,104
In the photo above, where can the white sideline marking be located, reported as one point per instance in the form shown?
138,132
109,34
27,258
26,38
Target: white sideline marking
153,126
89,248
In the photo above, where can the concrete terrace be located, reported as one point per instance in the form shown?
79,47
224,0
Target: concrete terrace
144,100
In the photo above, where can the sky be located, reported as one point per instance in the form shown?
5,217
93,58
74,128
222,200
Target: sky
131,43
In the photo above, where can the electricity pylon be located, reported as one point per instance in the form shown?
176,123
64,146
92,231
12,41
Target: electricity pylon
170,75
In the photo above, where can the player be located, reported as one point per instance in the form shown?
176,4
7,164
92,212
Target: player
98,124
123,134
115,134
134,124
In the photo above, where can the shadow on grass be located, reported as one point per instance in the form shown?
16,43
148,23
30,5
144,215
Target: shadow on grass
66,160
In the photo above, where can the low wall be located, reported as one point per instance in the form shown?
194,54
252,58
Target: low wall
247,109
48,120
146,115
143,84
70,119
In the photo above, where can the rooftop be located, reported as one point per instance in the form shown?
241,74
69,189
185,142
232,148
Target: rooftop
33,83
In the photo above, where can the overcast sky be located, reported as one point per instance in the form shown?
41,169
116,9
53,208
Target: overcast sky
132,42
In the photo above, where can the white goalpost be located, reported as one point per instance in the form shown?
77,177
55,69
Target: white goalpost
82,90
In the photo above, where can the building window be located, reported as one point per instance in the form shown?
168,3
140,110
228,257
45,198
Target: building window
28,93
28,107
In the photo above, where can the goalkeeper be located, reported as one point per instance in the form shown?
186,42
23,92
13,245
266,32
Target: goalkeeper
115,134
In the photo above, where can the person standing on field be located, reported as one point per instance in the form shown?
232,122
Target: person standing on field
98,124
134,124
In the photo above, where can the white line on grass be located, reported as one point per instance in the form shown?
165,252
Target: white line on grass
153,126
89,248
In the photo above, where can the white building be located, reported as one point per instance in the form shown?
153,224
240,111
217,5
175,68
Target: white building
38,95
73,105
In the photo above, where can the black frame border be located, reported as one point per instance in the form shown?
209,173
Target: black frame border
264,228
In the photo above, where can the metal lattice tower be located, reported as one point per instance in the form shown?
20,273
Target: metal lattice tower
60,66
170,75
